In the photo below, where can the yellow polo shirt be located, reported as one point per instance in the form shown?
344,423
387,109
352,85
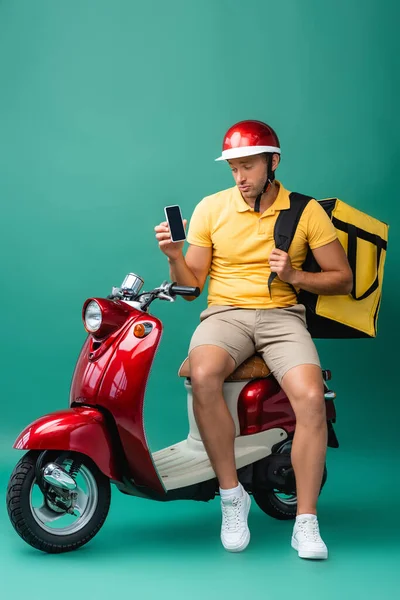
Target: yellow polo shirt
242,242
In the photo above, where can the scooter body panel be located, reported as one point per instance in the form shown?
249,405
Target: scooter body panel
81,430
116,381
187,463
263,405
94,358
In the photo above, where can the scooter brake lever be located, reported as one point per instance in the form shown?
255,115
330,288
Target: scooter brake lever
163,296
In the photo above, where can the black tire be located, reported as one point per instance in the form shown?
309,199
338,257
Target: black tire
273,504
21,515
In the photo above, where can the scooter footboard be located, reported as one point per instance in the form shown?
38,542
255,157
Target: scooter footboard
77,429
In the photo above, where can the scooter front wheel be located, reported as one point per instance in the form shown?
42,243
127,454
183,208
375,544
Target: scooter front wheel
55,520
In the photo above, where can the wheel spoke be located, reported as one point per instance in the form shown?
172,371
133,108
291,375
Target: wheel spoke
46,515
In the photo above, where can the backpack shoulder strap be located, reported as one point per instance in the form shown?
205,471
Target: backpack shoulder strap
286,225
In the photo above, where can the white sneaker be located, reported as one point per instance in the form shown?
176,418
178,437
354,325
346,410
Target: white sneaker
235,533
307,540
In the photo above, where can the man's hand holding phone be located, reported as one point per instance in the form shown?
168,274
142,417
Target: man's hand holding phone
170,234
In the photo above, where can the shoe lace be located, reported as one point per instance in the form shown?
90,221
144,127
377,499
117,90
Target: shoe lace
231,514
310,529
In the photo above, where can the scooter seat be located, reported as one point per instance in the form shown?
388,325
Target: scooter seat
252,368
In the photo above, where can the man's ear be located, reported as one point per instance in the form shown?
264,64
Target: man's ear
275,161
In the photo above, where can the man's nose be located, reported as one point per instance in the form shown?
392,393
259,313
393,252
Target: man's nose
240,176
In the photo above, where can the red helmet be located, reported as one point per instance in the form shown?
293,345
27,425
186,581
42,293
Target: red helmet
248,138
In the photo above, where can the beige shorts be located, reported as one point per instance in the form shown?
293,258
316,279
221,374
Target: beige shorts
280,335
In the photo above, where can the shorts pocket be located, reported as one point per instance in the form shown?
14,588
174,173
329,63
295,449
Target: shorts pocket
297,309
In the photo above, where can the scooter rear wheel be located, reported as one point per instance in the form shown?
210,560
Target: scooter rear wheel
48,527
277,504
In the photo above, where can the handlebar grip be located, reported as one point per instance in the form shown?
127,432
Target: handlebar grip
183,290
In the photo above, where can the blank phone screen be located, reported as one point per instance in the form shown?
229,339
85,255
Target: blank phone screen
175,223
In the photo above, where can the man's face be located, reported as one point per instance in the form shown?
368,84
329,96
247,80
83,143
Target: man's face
249,174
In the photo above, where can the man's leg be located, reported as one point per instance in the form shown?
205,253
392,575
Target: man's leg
304,387
221,342
290,353
209,367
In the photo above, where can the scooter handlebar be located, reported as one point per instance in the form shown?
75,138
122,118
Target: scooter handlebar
183,290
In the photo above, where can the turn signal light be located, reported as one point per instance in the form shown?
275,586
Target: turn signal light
142,329
139,330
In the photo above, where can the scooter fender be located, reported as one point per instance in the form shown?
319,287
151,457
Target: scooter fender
77,429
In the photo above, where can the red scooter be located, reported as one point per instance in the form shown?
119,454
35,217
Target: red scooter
59,492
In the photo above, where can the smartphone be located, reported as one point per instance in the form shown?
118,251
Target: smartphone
175,222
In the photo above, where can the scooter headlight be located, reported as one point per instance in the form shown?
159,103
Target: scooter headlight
93,317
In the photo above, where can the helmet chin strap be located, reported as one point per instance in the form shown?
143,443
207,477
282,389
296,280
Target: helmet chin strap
268,183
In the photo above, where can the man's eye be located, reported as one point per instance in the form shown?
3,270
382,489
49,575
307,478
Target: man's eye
247,167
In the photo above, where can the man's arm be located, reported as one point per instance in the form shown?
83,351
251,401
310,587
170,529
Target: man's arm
191,270
336,277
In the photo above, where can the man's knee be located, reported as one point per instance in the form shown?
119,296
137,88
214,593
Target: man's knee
206,376
304,387
309,407
209,367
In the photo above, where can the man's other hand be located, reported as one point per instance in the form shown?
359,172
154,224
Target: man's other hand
280,263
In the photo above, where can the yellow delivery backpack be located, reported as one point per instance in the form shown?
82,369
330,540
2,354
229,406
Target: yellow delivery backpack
364,239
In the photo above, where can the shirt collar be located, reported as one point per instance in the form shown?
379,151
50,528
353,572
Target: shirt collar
282,201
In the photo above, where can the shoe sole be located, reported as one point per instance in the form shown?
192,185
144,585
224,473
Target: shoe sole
246,540
312,554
